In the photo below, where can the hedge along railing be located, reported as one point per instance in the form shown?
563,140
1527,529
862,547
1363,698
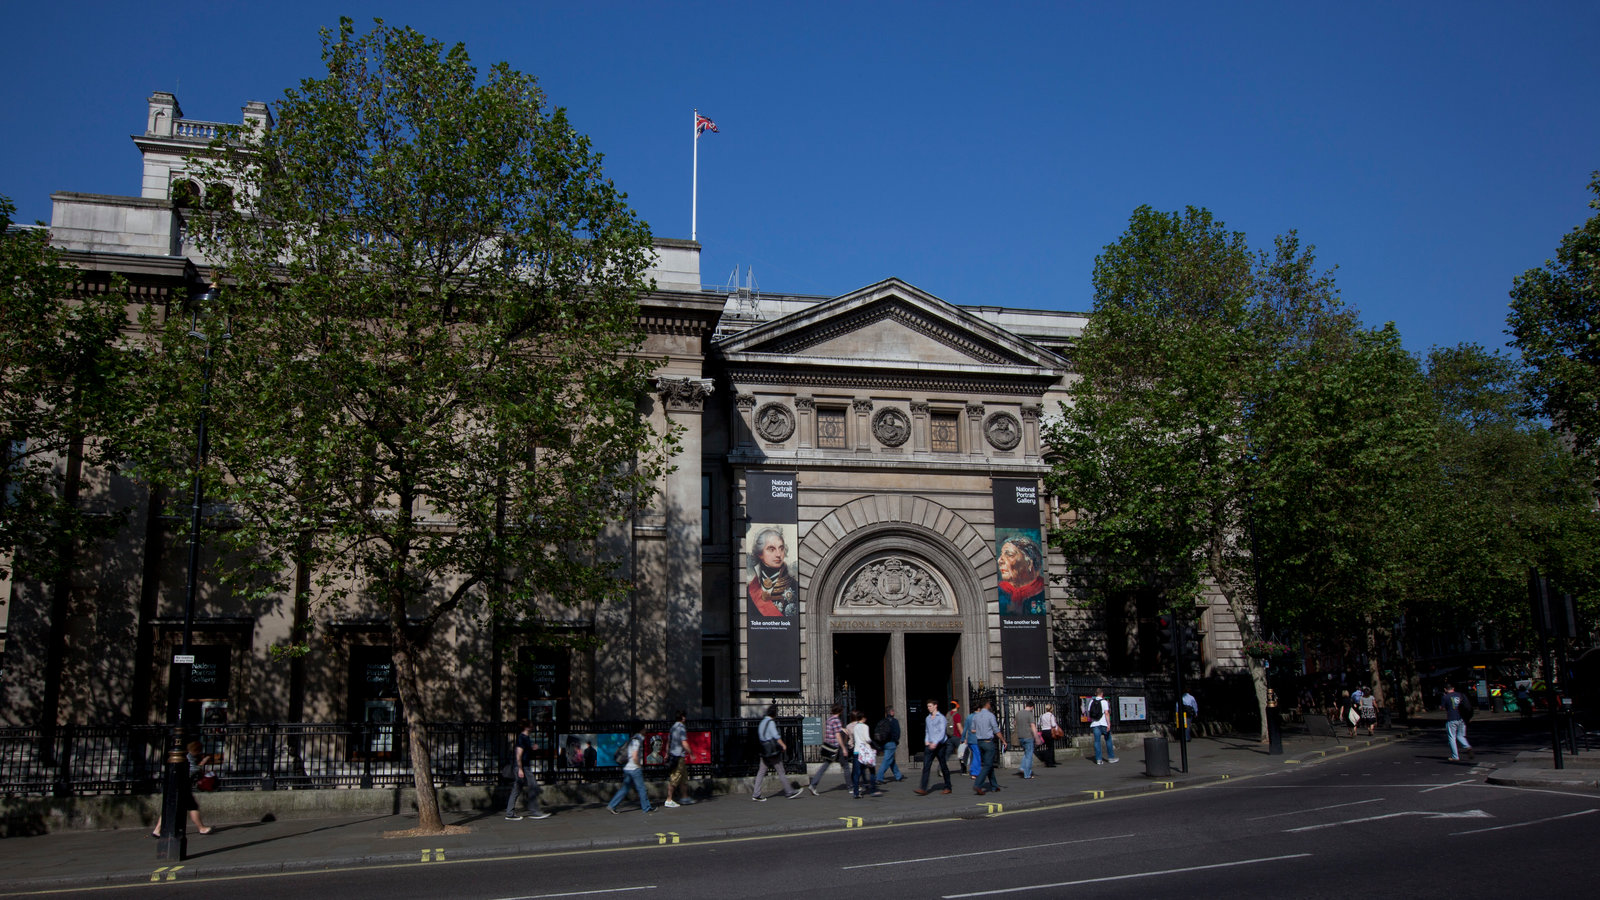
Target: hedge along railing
78,760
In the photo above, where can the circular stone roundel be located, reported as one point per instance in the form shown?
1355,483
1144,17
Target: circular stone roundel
891,427
1003,431
775,422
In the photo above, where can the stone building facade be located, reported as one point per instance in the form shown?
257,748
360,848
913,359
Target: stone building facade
894,411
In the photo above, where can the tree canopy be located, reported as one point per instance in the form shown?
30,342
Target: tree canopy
1555,323
428,393
1233,428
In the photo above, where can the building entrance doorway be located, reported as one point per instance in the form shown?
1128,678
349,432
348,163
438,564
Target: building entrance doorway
932,673
860,667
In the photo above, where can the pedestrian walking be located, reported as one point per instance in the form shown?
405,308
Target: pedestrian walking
1027,735
935,748
888,731
1050,729
985,731
1456,710
831,751
1369,711
632,772
958,732
1190,708
678,755
772,750
523,778
198,760
863,757
1099,715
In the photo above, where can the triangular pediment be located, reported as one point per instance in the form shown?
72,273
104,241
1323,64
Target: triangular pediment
889,324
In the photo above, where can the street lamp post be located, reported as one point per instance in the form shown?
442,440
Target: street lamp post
174,842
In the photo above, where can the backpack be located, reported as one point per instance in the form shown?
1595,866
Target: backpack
880,732
1096,709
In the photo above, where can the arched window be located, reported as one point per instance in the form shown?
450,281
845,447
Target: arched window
185,194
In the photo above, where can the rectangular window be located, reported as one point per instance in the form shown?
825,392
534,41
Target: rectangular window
830,429
945,432
705,509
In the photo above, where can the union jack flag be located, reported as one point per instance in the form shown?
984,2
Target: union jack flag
703,124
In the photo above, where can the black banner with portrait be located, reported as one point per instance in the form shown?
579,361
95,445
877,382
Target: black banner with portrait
1023,596
772,593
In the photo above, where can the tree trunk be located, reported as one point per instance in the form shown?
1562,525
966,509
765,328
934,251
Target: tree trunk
1374,665
405,664
1258,672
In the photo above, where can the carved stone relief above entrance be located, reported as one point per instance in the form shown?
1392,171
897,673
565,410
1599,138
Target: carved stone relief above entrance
894,583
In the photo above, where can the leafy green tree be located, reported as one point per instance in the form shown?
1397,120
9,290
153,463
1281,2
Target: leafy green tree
430,389
64,368
1508,494
1555,324
1154,449
1343,436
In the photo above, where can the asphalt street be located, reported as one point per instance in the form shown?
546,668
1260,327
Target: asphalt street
1395,819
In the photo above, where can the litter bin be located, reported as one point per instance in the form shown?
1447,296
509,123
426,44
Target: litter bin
1156,763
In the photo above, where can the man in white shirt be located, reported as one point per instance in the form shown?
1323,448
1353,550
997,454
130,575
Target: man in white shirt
1104,750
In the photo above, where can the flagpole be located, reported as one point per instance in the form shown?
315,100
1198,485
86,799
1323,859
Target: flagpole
694,202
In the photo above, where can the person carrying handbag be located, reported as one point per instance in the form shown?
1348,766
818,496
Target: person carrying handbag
772,750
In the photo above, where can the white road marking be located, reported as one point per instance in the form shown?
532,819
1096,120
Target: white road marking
1581,812
906,862
621,890
1451,784
1468,814
1296,812
1062,884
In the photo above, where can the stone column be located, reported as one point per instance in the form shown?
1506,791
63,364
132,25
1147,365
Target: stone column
863,409
919,427
975,440
1030,430
805,409
666,627
744,426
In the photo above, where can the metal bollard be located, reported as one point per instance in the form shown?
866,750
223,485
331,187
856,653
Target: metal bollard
1156,763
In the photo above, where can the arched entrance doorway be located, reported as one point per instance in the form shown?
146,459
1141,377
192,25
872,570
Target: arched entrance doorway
898,618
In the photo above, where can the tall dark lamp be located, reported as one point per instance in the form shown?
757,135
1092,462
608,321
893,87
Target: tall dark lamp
174,842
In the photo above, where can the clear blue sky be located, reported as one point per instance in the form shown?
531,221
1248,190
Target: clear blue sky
984,152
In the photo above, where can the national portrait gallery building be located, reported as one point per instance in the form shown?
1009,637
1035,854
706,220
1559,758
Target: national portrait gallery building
856,506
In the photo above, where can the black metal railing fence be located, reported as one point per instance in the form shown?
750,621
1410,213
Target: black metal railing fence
77,760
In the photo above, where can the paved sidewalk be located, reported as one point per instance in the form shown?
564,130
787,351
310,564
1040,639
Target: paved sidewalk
128,856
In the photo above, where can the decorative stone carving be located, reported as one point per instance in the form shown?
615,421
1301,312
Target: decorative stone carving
805,403
684,394
861,406
895,583
919,407
1003,431
745,401
974,410
775,422
1031,412
891,427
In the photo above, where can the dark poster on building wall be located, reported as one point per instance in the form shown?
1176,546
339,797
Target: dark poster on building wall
772,594
1022,596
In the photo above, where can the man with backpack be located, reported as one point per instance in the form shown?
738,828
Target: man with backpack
631,756
1099,716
